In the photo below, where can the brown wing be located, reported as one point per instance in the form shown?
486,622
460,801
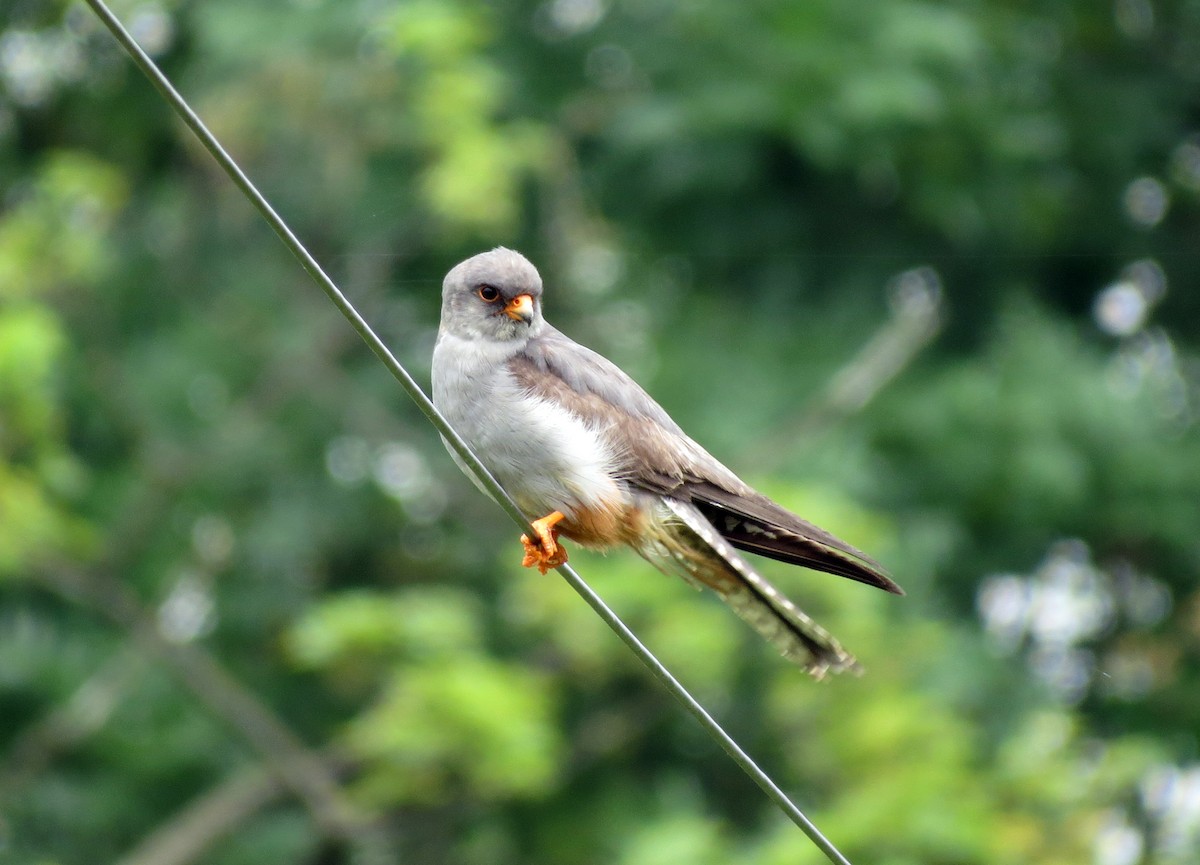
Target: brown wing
654,454
754,523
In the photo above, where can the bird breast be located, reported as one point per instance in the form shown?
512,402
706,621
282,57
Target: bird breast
547,458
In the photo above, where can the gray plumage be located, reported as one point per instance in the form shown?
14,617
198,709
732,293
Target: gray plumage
564,429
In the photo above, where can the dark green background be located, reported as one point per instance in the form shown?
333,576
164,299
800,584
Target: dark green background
925,273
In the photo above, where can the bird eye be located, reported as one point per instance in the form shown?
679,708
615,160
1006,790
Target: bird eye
488,293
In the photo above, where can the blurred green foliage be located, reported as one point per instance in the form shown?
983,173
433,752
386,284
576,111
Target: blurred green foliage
249,610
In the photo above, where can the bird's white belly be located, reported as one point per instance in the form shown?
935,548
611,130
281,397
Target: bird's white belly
543,455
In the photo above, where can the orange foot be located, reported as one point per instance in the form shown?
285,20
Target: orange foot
545,552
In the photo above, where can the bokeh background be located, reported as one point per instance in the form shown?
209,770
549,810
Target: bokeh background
925,272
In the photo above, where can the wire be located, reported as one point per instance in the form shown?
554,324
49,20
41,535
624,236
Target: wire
181,107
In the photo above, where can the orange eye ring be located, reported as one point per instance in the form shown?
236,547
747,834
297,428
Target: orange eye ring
488,293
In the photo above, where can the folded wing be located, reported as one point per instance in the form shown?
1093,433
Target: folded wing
755,524
655,455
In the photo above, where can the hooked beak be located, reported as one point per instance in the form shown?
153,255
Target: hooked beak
520,308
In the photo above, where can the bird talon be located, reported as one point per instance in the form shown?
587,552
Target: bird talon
545,552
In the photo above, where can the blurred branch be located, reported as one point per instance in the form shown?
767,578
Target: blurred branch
204,821
188,835
917,317
79,716
298,769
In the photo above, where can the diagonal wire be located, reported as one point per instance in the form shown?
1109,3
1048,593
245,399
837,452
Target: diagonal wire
189,117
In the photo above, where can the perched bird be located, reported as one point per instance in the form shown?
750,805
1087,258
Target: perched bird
581,447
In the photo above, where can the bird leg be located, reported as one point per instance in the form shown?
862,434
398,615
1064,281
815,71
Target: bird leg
545,552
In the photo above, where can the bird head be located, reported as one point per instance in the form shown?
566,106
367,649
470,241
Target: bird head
495,295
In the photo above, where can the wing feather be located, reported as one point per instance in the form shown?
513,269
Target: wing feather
756,524
653,454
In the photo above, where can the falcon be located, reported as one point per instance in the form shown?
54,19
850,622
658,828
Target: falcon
590,456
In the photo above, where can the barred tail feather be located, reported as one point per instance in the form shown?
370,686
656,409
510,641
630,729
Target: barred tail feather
683,542
793,634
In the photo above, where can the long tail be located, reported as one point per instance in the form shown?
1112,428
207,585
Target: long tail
685,543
